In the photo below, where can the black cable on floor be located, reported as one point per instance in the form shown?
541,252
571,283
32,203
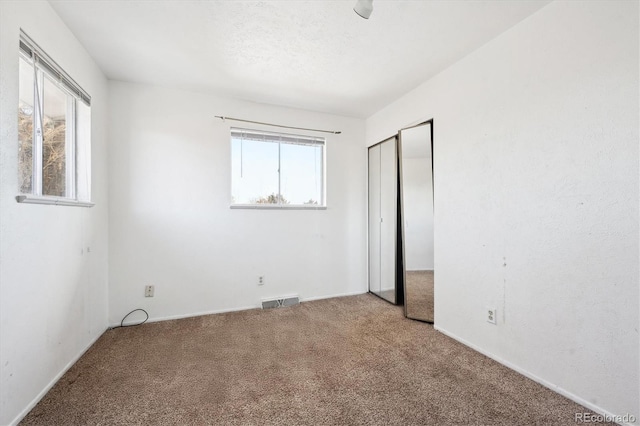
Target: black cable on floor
132,325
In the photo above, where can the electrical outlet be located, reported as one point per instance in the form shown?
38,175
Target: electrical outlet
261,280
149,290
491,314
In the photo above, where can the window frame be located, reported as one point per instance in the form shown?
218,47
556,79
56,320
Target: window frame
321,142
45,69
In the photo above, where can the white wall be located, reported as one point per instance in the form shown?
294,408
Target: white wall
52,292
536,197
170,221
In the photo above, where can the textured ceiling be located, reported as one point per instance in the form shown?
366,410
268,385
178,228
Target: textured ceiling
315,55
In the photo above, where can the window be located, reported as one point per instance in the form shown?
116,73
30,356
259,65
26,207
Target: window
276,170
54,130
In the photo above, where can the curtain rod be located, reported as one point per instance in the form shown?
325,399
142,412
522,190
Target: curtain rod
334,132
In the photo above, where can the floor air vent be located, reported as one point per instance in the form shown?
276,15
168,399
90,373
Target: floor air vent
280,303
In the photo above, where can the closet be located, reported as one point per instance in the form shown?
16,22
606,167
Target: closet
401,221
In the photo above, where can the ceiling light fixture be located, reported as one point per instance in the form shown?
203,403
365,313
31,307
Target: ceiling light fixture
364,8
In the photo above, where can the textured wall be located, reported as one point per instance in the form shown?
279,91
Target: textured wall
53,293
536,198
170,221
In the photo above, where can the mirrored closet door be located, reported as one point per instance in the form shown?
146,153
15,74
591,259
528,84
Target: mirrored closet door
383,207
416,195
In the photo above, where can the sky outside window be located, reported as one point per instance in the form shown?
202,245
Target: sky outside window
255,176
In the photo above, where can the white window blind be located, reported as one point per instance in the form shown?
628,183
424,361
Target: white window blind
32,51
257,136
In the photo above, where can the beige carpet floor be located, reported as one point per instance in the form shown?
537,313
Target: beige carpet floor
343,361
419,295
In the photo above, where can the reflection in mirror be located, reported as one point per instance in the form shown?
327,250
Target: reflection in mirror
417,220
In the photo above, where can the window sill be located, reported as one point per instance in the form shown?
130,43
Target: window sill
36,199
275,207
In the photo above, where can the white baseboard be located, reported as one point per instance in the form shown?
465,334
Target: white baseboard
190,315
532,376
241,308
47,388
353,293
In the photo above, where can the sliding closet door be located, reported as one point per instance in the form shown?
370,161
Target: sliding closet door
388,213
383,182
374,219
